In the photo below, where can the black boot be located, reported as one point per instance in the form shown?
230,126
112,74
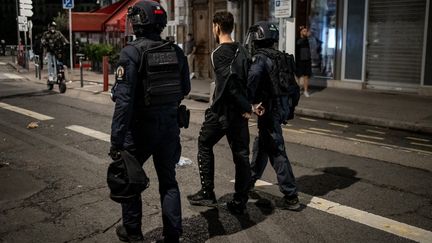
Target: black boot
203,198
236,207
124,236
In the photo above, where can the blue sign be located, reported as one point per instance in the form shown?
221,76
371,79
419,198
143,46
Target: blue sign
68,4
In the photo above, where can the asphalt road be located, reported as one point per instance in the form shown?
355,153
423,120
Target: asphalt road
353,188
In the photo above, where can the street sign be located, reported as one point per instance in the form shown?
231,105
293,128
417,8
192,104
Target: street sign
68,4
26,1
26,6
283,8
22,27
26,12
22,20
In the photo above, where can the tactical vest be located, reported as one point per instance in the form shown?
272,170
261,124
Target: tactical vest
160,72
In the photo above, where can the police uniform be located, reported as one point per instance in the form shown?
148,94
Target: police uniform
146,128
270,144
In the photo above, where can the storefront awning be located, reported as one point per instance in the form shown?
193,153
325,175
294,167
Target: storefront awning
117,22
88,22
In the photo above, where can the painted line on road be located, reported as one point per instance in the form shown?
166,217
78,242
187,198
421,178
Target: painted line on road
372,220
392,146
314,132
320,129
90,132
10,76
338,125
418,139
2,63
25,112
421,144
375,131
307,119
367,136
292,130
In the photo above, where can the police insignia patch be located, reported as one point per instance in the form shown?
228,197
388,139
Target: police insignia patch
120,73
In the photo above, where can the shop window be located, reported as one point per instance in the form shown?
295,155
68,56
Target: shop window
322,41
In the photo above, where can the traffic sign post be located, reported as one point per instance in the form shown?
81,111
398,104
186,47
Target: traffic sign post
68,4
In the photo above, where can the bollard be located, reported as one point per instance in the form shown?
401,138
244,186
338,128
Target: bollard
81,72
105,73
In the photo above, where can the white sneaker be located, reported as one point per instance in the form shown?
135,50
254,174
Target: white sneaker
306,94
191,75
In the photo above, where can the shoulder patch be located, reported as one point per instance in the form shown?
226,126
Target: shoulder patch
120,73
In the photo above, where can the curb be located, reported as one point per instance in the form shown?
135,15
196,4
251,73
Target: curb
407,126
371,121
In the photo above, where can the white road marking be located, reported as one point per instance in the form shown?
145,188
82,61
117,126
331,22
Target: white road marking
314,132
375,131
22,111
90,132
292,130
307,119
367,136
372,220
338,124
418,139
9,76
422,144
2,63
391,146
320,129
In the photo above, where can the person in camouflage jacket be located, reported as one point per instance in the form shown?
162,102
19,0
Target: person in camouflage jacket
53,42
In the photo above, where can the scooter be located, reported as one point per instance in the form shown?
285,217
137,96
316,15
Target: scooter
61,79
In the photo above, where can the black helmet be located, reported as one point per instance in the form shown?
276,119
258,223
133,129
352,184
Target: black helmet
52,24
147,14
264,30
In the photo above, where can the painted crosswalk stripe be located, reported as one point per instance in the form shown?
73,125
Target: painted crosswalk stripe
319,129
422,144
307,119
375,131
338,124
2,63
314,132
367,136
90,132
372,220
418,139
25,112
292,130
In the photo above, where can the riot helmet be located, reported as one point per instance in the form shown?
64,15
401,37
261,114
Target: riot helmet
147,16
264,30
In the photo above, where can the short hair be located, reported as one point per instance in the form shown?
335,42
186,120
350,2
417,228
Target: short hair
225,20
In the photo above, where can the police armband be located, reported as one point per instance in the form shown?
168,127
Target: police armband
183,116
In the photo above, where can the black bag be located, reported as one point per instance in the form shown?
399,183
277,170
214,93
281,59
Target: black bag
126,178
282,77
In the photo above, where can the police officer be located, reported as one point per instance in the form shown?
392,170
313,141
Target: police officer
228,115
270,143
152,77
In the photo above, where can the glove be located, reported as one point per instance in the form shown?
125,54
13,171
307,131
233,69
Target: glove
114,153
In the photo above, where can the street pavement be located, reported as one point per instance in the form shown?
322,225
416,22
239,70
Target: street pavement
358,183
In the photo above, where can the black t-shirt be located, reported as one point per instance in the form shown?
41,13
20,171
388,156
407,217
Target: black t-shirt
303,50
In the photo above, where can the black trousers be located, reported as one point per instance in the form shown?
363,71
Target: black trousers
158,135
270,145
237,133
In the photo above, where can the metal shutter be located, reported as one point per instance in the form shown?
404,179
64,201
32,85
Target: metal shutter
395,41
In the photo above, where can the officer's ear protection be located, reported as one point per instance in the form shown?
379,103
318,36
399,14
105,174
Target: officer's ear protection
137,16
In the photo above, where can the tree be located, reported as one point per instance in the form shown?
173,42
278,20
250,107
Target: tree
62,21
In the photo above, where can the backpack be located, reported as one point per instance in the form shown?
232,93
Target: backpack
283,82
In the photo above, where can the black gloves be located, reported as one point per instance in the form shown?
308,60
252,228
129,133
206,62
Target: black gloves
114,153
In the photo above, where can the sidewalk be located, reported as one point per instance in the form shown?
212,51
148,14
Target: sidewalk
397,111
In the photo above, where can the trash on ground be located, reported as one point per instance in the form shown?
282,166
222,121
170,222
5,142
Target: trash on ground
32,125
184,161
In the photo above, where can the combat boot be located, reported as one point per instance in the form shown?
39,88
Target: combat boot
289,203
203,198
236,207
125,237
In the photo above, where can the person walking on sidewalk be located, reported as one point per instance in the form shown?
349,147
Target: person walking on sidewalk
263,79
227,116
145,121
190,49
303,59
53,41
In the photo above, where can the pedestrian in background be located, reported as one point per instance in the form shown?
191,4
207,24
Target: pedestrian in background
227,116
190,49
270,144
145,121
3,47
38,50
53,42
303,59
